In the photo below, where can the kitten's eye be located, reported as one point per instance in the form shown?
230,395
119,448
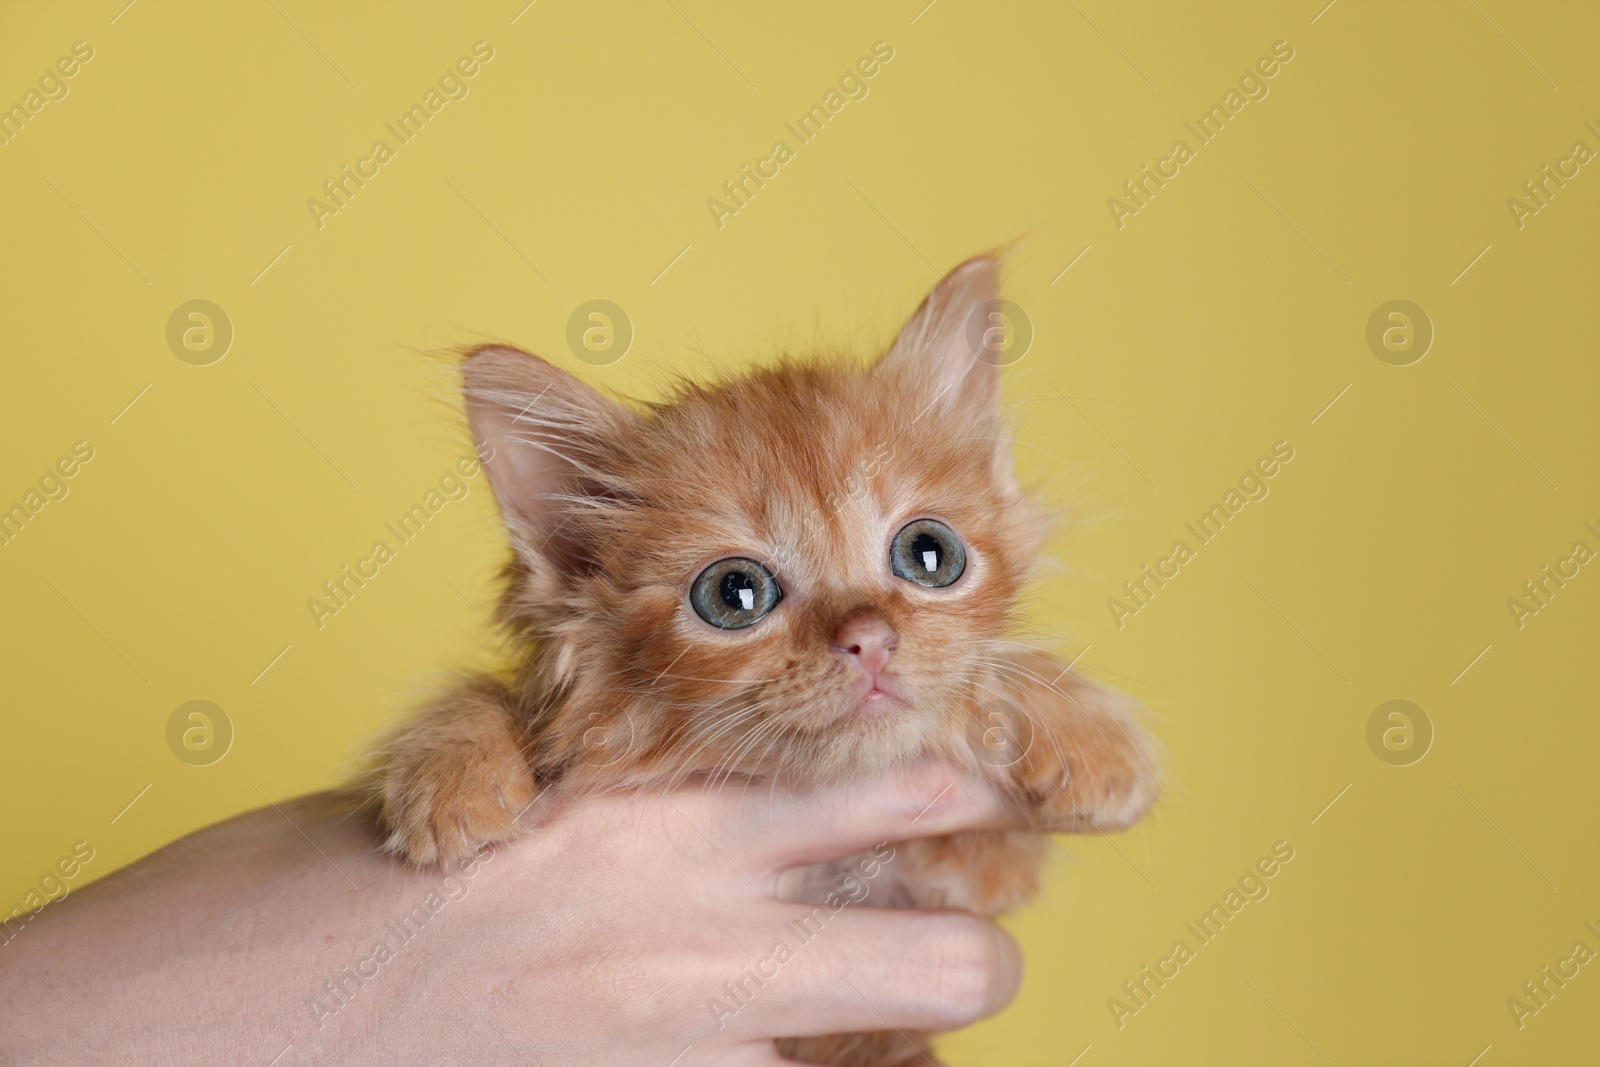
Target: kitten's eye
734,593
927,553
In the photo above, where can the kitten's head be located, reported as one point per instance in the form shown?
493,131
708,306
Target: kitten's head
798,569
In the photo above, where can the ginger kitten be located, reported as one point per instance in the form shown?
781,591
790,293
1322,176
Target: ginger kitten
804,573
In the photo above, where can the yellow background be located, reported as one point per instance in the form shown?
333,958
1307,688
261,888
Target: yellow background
1225,316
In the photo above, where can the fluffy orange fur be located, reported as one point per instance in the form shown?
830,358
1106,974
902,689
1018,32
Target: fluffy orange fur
809,467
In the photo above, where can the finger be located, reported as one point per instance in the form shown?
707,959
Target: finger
754,1054
845,971
922,800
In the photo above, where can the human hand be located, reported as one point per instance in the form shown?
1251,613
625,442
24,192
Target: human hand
607,935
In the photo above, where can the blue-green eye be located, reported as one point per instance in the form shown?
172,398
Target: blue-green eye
734,593
927,553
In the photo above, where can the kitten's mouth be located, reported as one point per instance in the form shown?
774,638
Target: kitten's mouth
879,697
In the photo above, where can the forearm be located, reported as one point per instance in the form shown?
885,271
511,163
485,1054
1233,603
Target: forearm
199,950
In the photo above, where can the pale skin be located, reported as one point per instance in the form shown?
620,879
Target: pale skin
600,937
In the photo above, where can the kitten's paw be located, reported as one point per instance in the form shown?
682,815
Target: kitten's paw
1114,788
437,814
453,780
1086,762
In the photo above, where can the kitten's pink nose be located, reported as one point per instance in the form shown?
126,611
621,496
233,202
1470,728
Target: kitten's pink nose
866,636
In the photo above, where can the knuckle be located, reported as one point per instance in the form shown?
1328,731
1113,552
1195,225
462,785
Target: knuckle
929,789
634,988
635,992
956,971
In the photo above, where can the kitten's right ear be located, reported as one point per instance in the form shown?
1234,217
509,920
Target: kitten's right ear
543,437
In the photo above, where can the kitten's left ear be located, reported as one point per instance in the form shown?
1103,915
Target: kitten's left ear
944,349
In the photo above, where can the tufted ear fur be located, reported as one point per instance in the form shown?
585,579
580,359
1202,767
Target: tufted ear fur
940,350
547,436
